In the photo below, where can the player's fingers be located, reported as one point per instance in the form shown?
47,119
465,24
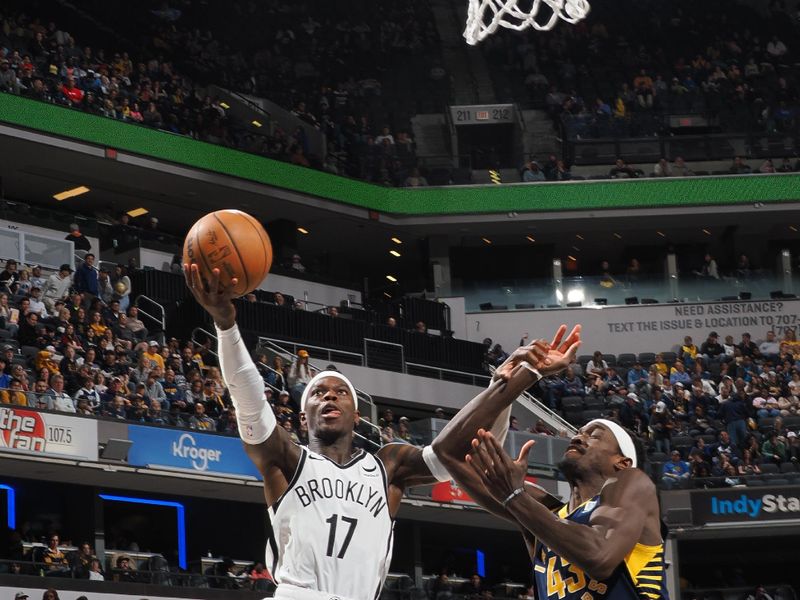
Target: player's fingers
198,285
476,458
474,463
572,351
496,452
574,336
524,451
481,453
213,283
562,329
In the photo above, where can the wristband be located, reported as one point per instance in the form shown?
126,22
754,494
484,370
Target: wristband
512,495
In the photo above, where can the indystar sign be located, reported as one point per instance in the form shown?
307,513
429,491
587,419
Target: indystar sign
745,504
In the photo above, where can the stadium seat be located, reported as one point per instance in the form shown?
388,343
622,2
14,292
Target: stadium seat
590,415
766,424
778,481
594,403
584,360
574,416
792,422
669,358
647,359
769,468
626,360
572,402
755,481
658,457
611,359
682,441
788,467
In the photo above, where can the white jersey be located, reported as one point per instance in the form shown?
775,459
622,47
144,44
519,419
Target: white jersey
332,531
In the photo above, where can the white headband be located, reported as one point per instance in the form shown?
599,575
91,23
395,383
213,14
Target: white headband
626,446
321,375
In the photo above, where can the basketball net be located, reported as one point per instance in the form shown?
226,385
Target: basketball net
485,16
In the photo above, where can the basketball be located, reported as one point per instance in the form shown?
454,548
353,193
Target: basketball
233,242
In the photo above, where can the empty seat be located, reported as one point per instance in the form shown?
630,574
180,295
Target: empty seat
611,359
788,467
769,468
647,358
626,360
658,457
574,416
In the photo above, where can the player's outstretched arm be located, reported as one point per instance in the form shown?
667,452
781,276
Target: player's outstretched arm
628,506
407,465
491,408
268,446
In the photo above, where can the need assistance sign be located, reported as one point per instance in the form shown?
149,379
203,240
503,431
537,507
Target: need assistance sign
746,504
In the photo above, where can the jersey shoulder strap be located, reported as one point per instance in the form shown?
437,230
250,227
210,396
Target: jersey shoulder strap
304,453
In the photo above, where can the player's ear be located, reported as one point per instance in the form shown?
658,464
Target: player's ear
622,462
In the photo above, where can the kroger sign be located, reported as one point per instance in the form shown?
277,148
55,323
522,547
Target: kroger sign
742,504
202,452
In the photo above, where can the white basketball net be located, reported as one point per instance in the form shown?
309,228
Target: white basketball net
485,16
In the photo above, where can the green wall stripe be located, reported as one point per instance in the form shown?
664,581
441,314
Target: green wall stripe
137,139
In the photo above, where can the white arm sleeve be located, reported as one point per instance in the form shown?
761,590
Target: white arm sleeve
434,464
253,415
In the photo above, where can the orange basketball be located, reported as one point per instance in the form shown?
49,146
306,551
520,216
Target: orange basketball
233,242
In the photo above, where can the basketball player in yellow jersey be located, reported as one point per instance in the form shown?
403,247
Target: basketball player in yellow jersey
607,542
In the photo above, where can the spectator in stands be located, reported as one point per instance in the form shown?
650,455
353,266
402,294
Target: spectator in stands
200,420
769,349
622,170
661,424
662,168
773,449
414,179
76,237
739,167
9,276
57,398
733,414
96,571
14,394
711,349
54,558
678,374
296,264
57,287
747,466
638,379
680,169
675,472
86,279
532,172
125,571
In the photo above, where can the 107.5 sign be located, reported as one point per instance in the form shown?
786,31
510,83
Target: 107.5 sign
482,114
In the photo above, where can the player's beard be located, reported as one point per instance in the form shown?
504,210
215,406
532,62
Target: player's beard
570,468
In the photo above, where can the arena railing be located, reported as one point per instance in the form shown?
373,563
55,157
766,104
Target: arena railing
163,576
153,311
709,147
275,347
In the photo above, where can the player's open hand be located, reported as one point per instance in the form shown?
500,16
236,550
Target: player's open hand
547,358
500,474
212,295
562,351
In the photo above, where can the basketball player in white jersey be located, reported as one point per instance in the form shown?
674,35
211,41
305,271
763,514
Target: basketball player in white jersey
331,509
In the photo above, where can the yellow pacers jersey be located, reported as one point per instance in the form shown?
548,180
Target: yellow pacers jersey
641,576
